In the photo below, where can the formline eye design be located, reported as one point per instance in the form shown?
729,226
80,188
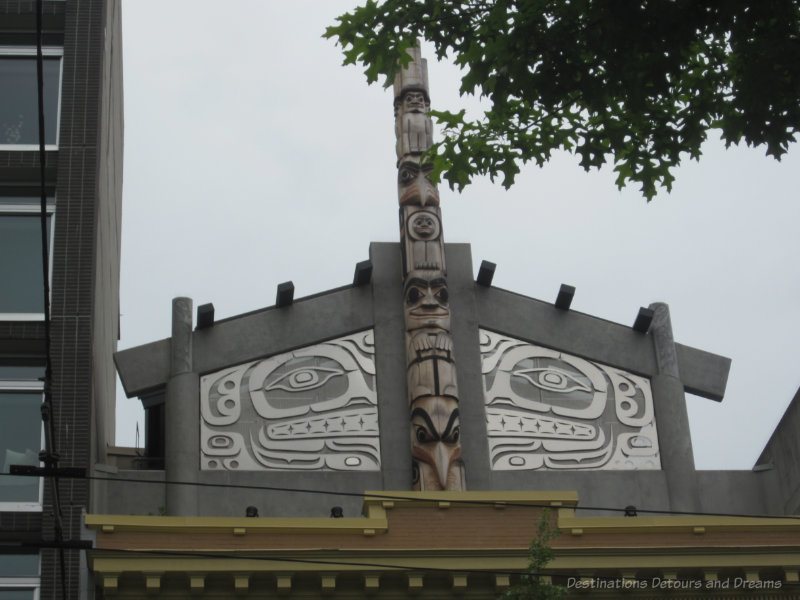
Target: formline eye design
552,379
303,379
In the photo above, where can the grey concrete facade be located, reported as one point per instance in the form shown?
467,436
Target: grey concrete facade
780,461
671,369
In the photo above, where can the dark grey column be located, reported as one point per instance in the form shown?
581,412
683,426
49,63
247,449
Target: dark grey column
390,362
675,440
182,426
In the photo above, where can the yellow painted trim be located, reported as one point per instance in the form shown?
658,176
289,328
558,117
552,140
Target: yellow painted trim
455,499
283,582
589,560
374,523
417,562
459,582
663,524
708,557
197,582
238,525
328,583
110,581
372,583
152,582
673,558
241,583
415,582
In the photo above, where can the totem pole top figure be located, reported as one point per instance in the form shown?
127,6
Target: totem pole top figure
414,77
413,126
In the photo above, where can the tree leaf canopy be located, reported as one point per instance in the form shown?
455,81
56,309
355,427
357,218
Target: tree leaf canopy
636,83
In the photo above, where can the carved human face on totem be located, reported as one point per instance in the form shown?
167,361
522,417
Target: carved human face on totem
427,303
436,443
413,185
414,101
424,226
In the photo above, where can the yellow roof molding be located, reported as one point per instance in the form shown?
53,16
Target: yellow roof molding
238,526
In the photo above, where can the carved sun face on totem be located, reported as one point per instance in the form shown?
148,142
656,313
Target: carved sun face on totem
427,303
414,101
436,442
413,185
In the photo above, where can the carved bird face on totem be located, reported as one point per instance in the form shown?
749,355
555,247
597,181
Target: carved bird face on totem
427,303
436,443
413,185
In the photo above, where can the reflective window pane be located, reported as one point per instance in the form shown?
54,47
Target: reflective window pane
20,443
21,372
19,119
16,594
19,565
21,277
19,199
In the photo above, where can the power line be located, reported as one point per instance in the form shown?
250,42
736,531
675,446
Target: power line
385,496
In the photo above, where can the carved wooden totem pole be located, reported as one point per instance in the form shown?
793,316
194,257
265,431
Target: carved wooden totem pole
432,390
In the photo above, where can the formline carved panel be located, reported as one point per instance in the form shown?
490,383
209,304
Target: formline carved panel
314,408
550,410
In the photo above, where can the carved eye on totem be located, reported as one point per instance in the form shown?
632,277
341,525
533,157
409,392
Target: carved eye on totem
436,419
432,292
423,435
407,173
415,99
302,379
552,379
414,295
453,436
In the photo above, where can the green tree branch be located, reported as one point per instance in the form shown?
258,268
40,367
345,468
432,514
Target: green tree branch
637,84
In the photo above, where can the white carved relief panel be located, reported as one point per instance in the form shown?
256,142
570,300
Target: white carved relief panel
314,408
550,410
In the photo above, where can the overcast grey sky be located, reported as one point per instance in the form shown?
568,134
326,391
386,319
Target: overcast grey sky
252,157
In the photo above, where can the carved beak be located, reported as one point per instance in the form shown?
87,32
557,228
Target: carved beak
442,460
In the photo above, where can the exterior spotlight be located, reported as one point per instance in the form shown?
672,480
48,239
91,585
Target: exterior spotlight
285,294
337,512
643,320
486,273
363,273
205,316
251,511
630,510
565,295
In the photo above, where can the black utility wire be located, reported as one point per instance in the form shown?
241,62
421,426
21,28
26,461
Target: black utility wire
386,496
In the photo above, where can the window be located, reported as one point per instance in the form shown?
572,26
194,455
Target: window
21,277
19,577
21,433
19,115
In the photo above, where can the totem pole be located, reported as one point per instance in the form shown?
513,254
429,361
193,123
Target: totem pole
432,389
